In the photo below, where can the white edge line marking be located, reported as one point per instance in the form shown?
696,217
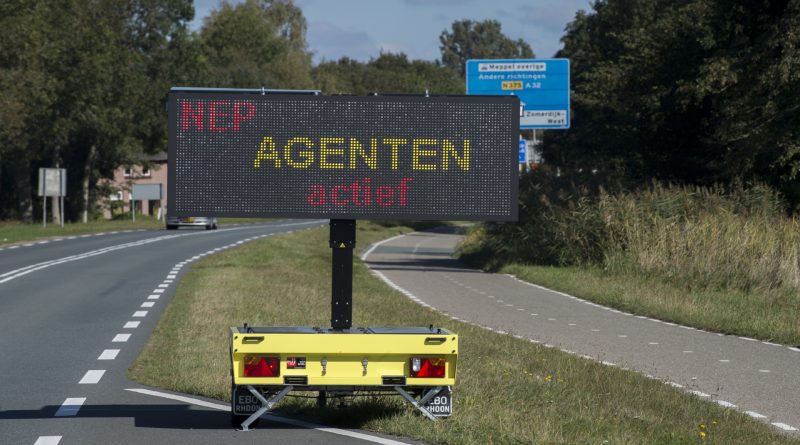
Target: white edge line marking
47,440
784,426
221,407
376,245
121,338
755,415
725,404
70,407
108,354
92,376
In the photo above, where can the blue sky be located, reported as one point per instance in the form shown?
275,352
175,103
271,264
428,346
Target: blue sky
360,29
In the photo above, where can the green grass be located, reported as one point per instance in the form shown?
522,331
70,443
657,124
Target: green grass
773,316
509,390
15,232
726,261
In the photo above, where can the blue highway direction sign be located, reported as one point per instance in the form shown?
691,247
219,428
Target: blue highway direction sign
541,85
523,146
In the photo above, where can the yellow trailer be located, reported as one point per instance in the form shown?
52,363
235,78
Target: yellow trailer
418,363
269,362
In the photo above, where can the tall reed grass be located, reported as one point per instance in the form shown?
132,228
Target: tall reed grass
702,237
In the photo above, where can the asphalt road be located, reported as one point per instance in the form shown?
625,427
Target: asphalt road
75,312
756,377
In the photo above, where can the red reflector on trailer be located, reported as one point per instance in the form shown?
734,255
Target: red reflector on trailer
260,366
427,367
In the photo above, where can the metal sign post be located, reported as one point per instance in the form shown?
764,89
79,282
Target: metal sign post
342,241
142,192
52,182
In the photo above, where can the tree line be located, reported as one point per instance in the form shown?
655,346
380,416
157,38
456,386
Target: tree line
84,82
681,91
697,92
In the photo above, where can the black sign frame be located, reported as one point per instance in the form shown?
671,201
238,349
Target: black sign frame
507,161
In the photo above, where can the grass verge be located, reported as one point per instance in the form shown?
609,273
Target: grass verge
509,390
773,316
15,232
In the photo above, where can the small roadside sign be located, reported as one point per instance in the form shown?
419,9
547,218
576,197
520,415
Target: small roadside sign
523,146
542,86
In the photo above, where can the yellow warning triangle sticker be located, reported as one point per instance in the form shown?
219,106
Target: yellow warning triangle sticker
342,246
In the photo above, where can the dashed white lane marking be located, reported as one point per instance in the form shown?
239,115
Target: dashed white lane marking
688,352
171,276
653,343
724,361
725,404
132,325
622,336
70,407
168,281
121,338
571,324
92,376
551,319
158,291
520,310
755,415
163,286
784,426
13,247
148,304
47,440
140,314
764,370
271,417
153,297
534,315
595,330
108,354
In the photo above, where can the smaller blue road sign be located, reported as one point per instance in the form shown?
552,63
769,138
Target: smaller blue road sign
523,145
541,85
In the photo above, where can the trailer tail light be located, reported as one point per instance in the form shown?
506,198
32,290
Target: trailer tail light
427,367
261,366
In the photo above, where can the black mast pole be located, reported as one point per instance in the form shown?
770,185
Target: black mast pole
342,241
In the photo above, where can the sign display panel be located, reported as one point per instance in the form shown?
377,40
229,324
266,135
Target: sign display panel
144,192
52,182
342,157
542,86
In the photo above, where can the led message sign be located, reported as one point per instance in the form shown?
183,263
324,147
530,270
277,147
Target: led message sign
342,157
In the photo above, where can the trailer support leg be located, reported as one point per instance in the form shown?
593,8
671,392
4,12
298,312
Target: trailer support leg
266,405
420,404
